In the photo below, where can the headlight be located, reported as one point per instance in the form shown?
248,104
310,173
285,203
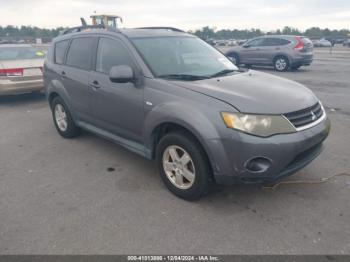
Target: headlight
259,125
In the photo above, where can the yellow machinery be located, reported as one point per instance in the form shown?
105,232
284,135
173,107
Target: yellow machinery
105,20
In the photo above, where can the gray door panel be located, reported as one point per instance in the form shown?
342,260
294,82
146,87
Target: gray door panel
77,85
117,107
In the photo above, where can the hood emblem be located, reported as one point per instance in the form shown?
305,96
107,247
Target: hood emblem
313,116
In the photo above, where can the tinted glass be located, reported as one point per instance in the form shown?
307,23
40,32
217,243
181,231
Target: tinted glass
256,42
79,54
111,53
284,42
60,49
272,42
181,55
20,53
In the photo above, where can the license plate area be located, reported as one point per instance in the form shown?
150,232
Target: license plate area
32,72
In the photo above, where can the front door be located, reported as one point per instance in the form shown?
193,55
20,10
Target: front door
117,107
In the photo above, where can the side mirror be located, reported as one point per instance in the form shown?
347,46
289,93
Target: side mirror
121,74
246,46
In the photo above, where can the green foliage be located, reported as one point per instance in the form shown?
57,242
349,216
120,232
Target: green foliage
314,32
29,31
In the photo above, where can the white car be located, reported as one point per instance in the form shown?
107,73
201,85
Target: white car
322,43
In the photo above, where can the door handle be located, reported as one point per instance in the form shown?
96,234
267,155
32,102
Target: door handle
95,84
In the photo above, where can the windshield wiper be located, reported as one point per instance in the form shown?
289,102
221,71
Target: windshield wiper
183,77
223,72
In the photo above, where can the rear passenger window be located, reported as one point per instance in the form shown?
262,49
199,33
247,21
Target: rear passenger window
284,42
272,42
79,54
111,53
60,50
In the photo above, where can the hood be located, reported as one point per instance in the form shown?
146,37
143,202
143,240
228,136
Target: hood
255,92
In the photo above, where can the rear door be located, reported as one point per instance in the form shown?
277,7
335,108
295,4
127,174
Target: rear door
117,107
75,74
269,48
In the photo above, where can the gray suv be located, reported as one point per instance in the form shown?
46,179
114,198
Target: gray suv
169,96
282,52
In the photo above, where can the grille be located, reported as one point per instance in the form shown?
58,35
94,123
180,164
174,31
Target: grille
305,116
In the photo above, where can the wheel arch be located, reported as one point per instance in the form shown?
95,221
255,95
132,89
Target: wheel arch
165,128
56,89
284,55
232,52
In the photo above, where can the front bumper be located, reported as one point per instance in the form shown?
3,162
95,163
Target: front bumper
13,87
287,154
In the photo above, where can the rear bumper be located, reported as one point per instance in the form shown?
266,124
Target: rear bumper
8,87
286,154
302,61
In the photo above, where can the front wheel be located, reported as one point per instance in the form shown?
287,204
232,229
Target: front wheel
234,58
281,63
183,166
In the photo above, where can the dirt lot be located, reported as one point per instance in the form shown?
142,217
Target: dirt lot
87,195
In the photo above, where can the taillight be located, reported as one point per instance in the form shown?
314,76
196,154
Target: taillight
300,44
11,72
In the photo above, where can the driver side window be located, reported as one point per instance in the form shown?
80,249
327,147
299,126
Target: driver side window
111,53
256,42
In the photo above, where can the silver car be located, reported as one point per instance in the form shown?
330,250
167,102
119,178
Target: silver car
282,52
20,69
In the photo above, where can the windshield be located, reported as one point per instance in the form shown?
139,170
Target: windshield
20,53
183,56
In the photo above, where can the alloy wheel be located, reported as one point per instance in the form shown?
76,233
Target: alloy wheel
179,167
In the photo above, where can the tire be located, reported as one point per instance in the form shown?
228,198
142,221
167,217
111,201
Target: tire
281,63
197,164
60,110
234,58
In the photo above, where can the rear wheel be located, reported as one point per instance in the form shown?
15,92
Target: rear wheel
63,120
183,166
281,63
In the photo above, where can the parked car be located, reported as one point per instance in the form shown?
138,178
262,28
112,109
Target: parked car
20,69
169,96
232,42
346,43
282,52
322,43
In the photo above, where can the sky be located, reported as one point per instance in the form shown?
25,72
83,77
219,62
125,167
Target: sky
185,14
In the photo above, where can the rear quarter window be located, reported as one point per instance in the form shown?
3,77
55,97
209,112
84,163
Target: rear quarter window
284,42
79,53
60,50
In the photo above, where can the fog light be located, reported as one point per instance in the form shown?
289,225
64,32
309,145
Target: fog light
258,164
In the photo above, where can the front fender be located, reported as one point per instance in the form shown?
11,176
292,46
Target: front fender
189,118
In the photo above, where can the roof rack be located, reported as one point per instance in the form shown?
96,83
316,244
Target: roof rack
87,27
163,27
